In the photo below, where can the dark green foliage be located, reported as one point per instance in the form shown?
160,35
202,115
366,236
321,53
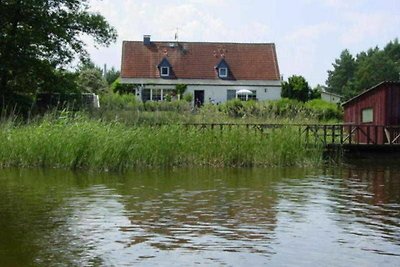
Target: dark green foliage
296,88
40,38
123,88
112,75
343,73
316,92
350,75
180,89
90,80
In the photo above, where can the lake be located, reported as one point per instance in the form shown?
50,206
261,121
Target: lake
346,215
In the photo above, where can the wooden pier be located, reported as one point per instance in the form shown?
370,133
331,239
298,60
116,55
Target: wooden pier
346,137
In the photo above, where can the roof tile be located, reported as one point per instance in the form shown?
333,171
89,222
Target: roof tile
197,60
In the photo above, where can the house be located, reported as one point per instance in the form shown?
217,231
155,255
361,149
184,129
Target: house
213,72
378,106
330,97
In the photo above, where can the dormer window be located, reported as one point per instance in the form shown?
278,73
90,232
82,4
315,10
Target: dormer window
165,68
164,71
223,69
223,72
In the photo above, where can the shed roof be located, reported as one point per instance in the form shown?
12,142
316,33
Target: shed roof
369,90
197,60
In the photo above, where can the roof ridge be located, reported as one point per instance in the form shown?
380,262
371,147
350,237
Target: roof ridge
202,42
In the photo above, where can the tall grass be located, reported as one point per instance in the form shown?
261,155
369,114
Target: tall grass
81,142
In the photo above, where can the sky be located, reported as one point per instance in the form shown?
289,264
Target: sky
308,34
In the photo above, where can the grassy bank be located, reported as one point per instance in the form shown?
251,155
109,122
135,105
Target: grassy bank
91,144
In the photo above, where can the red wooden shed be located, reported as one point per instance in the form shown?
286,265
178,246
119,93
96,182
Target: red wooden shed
376,113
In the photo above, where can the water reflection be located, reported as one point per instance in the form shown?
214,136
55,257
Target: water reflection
338,216
369,197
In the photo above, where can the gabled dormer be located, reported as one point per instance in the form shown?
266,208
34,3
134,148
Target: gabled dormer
165,68
222,69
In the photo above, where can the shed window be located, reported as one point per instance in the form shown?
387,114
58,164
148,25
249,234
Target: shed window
367,115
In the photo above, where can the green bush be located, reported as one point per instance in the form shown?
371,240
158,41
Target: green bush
324,110
115,101
234,108
122,88
188,97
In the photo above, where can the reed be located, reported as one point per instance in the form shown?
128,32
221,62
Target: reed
80,142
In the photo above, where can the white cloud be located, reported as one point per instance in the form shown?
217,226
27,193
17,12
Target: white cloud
311,32
365,26
307,50
342,4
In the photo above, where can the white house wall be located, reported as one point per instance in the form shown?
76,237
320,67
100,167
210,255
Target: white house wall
218,94
215,91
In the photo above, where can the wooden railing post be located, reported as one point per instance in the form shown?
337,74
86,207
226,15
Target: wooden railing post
341,134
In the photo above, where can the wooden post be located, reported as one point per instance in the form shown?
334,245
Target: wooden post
341,134
350,134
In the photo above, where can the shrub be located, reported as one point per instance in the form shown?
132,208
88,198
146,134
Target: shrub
233,107
324,110
116,101
188,97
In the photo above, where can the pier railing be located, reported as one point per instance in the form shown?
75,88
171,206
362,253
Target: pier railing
326,134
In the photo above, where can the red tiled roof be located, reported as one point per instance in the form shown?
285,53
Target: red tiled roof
192,60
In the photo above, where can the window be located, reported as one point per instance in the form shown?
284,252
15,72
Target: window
164,71
367,115
222,69
146,95
230,94
156,94
223,72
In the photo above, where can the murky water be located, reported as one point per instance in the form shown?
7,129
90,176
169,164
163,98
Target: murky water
348,216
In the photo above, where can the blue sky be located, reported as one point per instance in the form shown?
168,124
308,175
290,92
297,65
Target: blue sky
308,34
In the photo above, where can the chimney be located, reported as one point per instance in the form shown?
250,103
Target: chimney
146,39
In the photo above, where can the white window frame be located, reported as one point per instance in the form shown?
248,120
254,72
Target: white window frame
223,75
164,74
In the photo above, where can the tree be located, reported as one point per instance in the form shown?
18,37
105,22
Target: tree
112,75
180,90
296,88
342,74
351,76
40,38
91,80
374,69
315,93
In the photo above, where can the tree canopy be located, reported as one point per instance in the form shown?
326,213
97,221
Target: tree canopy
40,38
296,88
351,75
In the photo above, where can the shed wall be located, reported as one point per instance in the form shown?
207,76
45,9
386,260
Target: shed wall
376,100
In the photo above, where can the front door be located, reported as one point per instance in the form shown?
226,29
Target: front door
198,97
